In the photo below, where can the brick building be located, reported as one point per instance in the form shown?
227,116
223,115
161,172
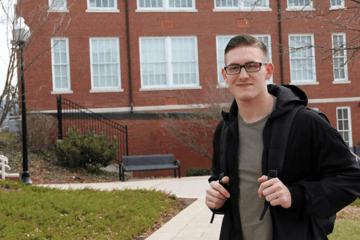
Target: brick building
136,58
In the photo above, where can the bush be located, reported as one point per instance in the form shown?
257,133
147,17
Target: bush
89,151
200,171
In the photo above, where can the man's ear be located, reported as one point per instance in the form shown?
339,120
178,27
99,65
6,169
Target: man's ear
269,70
224,75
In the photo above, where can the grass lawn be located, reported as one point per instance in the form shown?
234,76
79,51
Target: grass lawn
347,224
32,212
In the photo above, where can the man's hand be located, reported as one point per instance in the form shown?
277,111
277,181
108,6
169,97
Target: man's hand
216,195
275,192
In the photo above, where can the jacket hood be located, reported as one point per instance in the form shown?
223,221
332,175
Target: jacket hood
287,96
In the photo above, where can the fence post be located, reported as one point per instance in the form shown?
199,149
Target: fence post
59,116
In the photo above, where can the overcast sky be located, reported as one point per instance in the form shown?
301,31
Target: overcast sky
4,56
4,51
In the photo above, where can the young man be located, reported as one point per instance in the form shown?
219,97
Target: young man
318,175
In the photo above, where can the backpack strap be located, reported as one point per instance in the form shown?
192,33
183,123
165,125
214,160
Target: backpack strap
277,149
224,135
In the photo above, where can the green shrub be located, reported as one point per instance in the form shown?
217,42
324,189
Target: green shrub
200,171
89,151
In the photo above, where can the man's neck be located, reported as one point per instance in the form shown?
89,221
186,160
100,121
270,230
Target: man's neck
256,109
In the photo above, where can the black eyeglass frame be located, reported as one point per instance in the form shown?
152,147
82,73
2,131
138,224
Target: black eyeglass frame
244,66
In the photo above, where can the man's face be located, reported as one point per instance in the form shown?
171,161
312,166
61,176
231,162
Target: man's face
247,86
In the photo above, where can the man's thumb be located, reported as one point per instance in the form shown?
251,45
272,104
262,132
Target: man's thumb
225,180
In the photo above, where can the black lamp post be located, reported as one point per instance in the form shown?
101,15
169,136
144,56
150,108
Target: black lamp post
20,37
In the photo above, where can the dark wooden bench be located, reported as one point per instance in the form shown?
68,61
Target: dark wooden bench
146,163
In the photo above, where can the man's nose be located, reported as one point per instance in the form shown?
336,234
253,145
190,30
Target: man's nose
243,73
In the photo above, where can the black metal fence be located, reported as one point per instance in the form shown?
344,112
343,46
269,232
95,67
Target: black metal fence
71,115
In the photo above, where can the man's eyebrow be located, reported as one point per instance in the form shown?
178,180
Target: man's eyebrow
241,64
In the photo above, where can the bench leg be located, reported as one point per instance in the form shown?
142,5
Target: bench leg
179,172
121,174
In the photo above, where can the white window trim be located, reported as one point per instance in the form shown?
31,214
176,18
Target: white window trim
242,8
304,82
223,84
105,89
142,89
309,7
57,92
337,7
58,9
169,77
350,124
346,79
166,8
65,90
107,10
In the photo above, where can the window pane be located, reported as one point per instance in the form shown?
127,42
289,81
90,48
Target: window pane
105,63
60,64
301,58
183,58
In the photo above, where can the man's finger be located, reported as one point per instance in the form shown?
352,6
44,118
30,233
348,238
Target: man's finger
217,186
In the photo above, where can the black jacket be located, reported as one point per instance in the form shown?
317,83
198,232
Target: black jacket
319,171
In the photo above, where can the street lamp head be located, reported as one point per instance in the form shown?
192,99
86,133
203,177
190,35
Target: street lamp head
21,31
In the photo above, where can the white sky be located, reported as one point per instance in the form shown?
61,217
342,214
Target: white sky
4,51
4,55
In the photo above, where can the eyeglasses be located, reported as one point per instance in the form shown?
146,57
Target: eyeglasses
250,67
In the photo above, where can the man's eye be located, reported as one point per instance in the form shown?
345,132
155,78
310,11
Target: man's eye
252,66
232,68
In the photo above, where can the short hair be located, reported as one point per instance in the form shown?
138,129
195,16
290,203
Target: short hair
246,41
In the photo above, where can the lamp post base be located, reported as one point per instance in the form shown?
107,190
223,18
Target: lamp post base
25,178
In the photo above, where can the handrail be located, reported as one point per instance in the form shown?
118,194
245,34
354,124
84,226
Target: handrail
72,115
3,161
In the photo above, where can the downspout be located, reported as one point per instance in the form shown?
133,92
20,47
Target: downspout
128,53
280,44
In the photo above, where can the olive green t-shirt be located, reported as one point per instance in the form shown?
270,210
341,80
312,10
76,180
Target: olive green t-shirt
250,205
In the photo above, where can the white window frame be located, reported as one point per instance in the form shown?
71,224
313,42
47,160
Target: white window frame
334,7
220,58
169,73
102,9
300,8
304,81
345,79
60,90
105,89
62,8
166,8
243,8
349,123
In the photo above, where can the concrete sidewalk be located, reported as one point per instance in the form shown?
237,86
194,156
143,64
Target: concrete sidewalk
192,223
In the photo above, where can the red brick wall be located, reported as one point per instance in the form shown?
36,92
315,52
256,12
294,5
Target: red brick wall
147,136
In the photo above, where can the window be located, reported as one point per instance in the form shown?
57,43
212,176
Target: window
105,64
243,5
337,4
169,62
157,5
222,41
57,5
344,124
302,59
339,57
60,64
102,5
295,5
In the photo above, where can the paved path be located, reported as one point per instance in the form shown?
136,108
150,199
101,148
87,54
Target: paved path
193,223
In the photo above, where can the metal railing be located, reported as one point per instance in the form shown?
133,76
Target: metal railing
71,115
